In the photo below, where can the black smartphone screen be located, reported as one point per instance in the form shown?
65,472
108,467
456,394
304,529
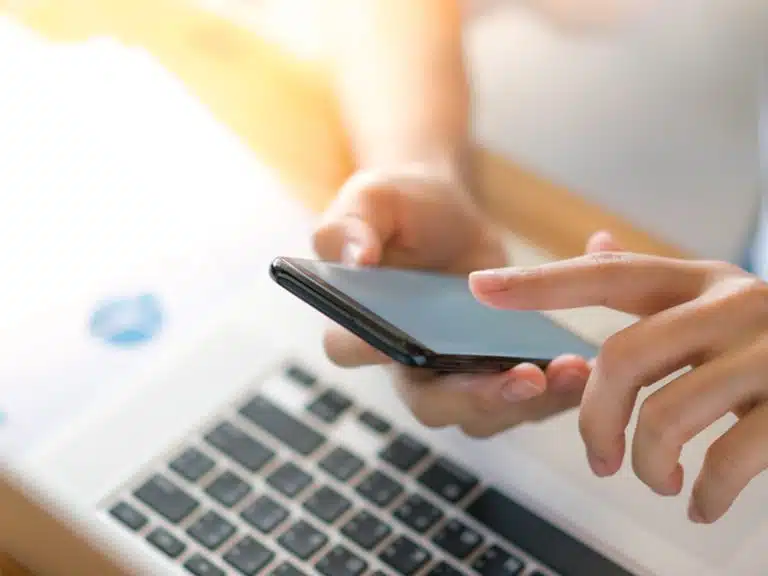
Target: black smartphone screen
440,312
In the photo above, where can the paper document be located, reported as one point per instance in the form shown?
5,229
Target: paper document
122,197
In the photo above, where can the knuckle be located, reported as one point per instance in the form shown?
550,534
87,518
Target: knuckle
736,295
720,268
721,467
614,359
659,422
753,295
609,266
607,259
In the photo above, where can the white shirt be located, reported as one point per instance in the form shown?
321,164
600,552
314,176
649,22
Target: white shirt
655,120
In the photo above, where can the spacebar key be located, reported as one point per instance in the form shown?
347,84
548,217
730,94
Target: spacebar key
282,426
539,538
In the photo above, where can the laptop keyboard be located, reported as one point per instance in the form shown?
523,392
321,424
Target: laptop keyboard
268,490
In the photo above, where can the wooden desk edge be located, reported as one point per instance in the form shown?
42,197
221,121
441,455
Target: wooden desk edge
550,216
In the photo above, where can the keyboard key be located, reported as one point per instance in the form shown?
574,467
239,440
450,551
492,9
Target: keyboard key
497,562
366,530
301,376
303,540
341,464
228,489
374,422
405,556
379,488
444,569
329,406
287,569
457,539
289,479
166,498
192,464
327,504
248,556
341,562
128,516
240,446
404,452
166,542
555,548
211,530
448,480
282,426
264,514
201,566
418,513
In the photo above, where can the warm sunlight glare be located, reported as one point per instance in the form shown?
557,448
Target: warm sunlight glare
293,24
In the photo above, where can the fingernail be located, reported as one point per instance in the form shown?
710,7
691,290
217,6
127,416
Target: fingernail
599,465
351,253
568,381
490,279
694,515
518,390
485,274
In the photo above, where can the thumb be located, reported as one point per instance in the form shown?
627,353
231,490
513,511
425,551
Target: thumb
360,221
602,241
348,239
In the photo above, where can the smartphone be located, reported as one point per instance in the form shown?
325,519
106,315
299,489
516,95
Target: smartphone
426,320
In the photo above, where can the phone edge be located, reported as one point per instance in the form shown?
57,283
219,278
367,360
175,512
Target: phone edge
303,284
342,308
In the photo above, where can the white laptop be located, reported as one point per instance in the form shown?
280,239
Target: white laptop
243,456
237,449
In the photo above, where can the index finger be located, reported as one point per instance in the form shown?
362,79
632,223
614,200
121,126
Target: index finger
632,283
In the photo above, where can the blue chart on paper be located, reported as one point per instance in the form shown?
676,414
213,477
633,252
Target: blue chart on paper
127,321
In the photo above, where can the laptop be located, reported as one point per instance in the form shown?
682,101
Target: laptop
248,453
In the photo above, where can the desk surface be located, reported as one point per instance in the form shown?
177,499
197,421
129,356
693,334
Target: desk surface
274,101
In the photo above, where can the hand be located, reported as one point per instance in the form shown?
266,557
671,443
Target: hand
420,220
710,316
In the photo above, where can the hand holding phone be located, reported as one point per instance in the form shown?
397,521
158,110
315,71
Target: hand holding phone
418,221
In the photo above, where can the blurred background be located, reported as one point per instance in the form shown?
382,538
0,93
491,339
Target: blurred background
654,120
647,126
